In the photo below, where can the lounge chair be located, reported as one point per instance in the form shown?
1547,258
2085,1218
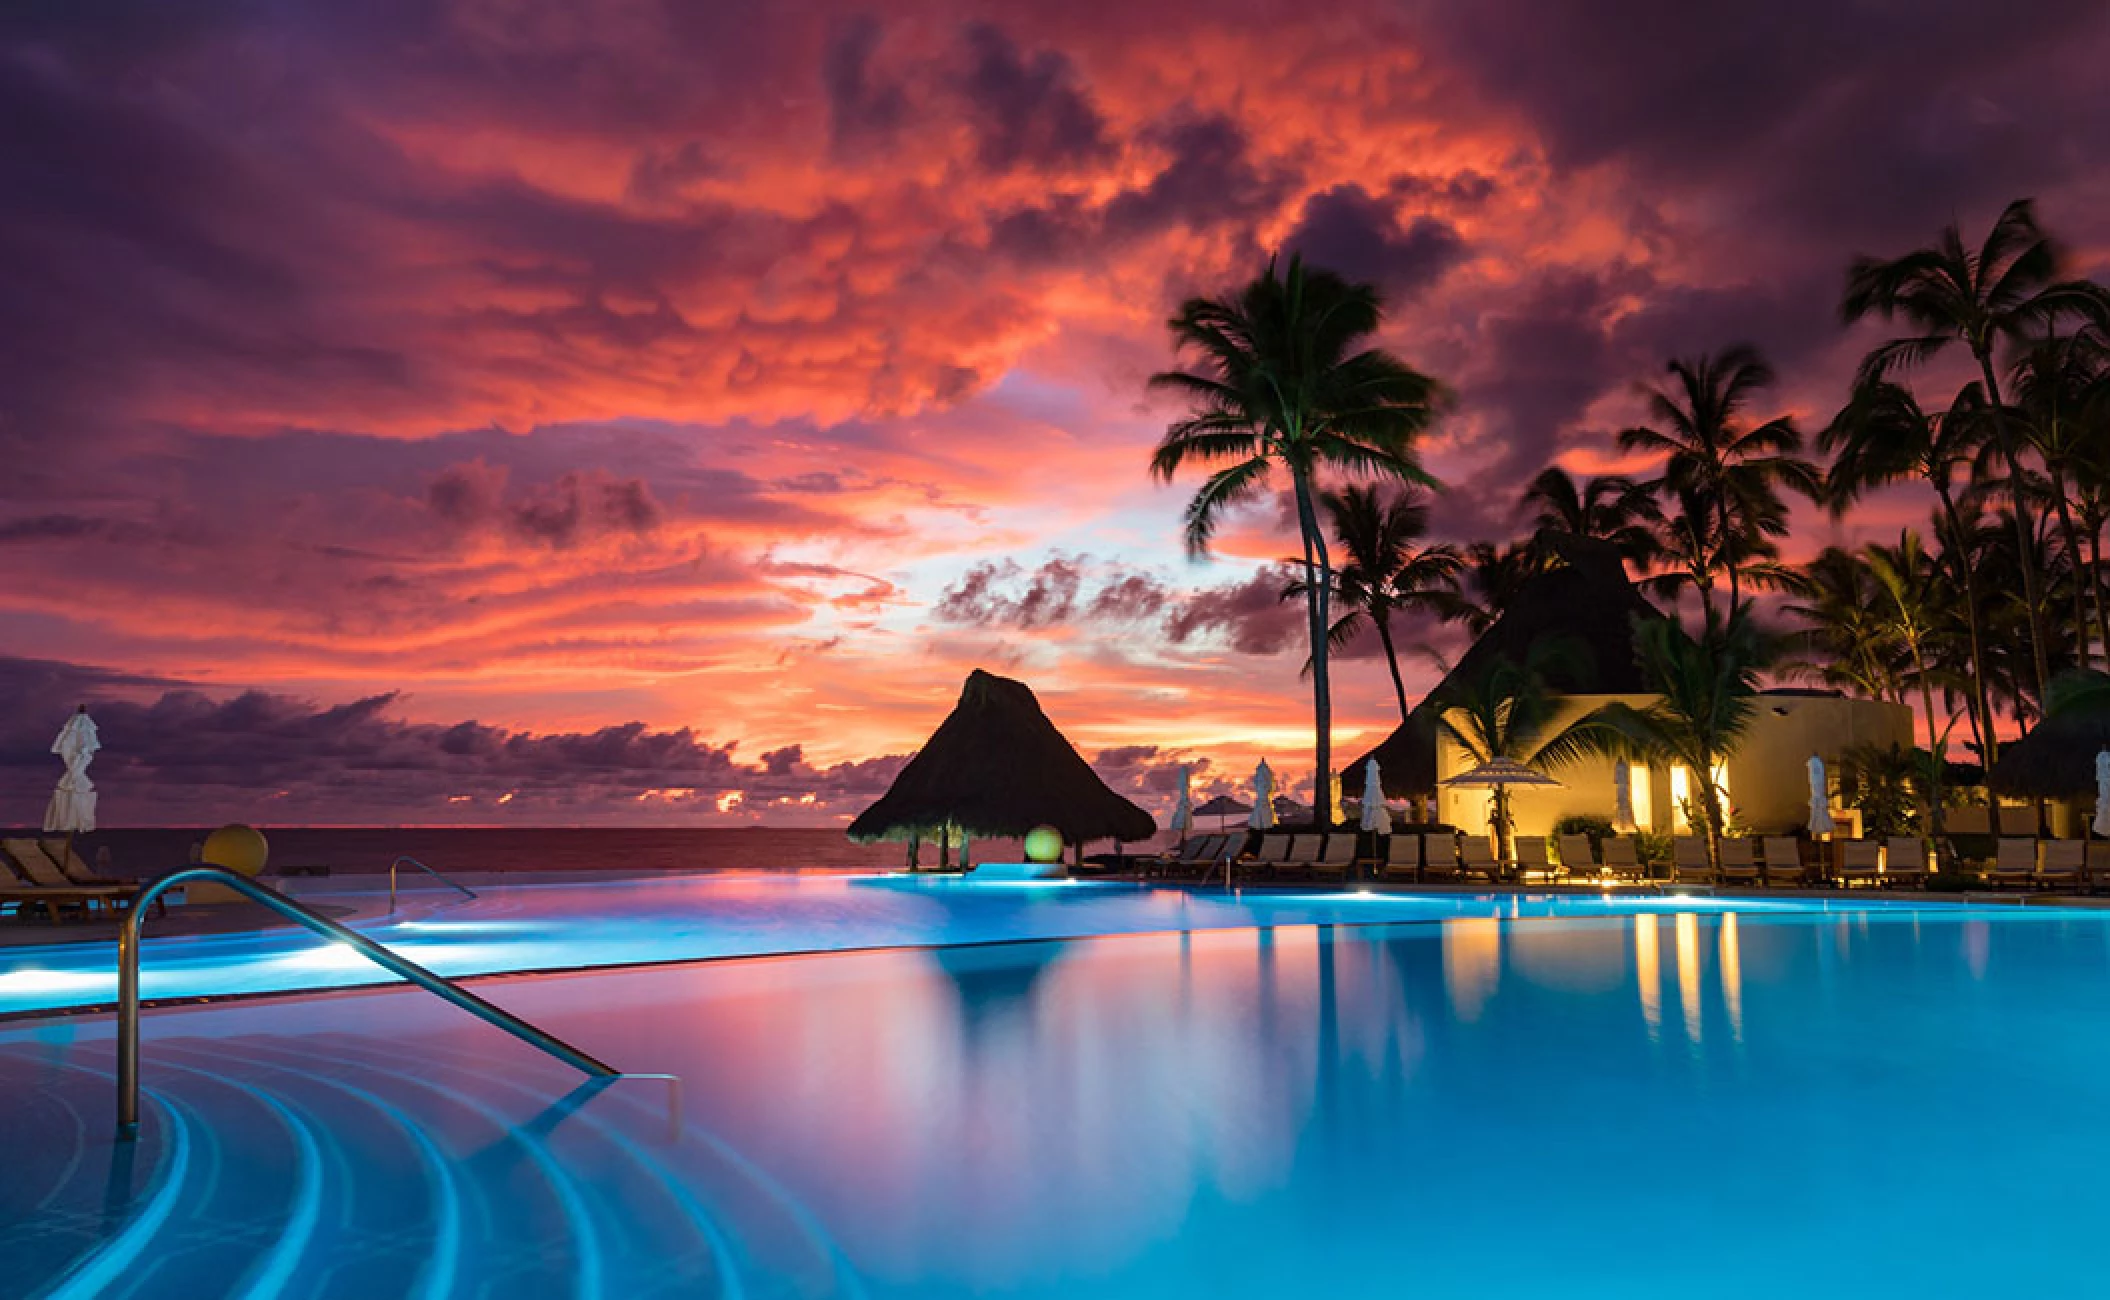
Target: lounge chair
1622,858
1904,860
32,880
1783,861
1739,863
1476,857
1439,856
1192,858
2064,865
1532,859
2097,862
68,859
1302,856
2015,863
1859,861
1338,856
1267,855
1402,858
1578,862
1688,862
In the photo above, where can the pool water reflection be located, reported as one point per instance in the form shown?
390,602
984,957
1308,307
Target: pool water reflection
1667,1104
569,926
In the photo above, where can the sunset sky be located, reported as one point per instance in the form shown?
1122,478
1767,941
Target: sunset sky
644,411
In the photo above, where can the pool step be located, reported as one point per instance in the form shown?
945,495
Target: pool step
341,1165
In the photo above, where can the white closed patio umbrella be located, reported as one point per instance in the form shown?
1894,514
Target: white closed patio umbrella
1623,798
1183,809
1375,815
1820,799
1263,815
2101,824
72,806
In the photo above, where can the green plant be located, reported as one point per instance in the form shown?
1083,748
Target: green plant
1590,824
1653,847
1883,783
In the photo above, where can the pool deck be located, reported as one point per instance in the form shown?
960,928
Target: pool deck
352,899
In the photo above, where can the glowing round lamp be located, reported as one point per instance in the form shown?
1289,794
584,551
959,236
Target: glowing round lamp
237,848
1043,844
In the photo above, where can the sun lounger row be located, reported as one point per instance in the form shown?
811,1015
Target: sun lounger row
1303,855
1196,859
1776,861
2050,864
49,876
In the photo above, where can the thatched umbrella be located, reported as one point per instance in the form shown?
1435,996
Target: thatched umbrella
1498,774
1224,807
997,768
2056,760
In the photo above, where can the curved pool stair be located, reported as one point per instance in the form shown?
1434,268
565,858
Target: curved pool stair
342,1165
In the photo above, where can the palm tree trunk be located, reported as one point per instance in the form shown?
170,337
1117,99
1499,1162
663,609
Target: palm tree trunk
1318,575
1711,810
2025,535
1981,695
1384,638
1935,746
2095,586
2071,536
1734,584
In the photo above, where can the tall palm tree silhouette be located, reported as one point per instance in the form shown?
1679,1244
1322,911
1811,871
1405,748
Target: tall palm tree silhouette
1286,382
1720,463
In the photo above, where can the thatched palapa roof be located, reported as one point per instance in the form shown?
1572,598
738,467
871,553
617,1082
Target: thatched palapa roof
996,767
2056,760
1588,600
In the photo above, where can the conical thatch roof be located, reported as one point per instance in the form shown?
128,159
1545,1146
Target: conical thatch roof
2056,760
997,767
1587,600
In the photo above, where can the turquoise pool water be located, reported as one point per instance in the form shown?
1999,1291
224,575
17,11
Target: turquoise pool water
609,922
1674,1101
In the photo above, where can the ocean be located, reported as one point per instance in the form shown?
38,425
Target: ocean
147,851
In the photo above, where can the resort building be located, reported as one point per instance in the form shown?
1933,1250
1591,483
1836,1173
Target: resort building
1587,608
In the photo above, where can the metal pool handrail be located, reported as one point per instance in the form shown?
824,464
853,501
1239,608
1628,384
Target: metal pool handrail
448,881
128,983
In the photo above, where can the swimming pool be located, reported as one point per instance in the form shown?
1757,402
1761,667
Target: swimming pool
1668,1101
528,926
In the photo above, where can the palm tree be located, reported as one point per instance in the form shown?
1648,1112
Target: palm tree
1909,579
1722,465
2006,290
1883,436
2058,387
1285,382
1492,577
1385,572
1609,508
1507,710
1836,595
1707,694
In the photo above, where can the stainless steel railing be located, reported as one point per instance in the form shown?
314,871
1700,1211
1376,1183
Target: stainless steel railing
128,982
448,881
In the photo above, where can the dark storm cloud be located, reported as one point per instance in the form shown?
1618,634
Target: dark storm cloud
1028,109
1001,594
1350,230
864,106
1879,118
167,741
1250,616
578,506
1210,178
